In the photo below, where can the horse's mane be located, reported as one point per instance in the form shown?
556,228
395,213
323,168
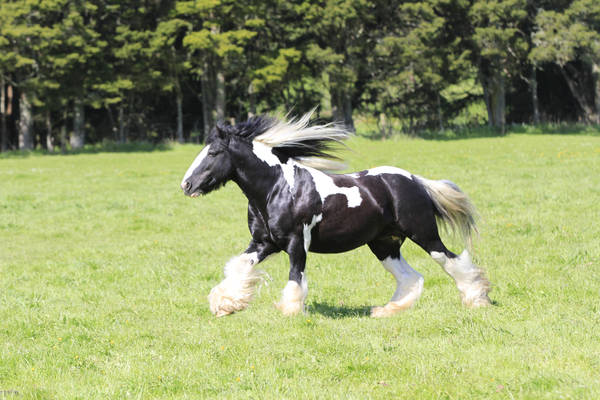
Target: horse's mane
296,138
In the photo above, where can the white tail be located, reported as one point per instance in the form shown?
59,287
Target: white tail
454,207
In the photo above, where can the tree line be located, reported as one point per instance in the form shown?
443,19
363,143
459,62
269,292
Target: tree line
77,71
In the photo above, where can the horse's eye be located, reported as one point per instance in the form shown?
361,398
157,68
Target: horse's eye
214,152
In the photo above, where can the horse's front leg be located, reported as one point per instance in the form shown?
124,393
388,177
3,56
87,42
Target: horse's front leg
296,290
235,292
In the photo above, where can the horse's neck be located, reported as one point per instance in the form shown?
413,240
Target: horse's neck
255,177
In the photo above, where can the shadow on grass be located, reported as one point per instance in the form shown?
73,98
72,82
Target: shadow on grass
338,312
96,148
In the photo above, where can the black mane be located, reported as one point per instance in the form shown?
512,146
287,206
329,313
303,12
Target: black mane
310,148
253,127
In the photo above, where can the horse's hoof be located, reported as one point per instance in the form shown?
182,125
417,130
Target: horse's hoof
222,303
290,308
222,313
482,301
379,312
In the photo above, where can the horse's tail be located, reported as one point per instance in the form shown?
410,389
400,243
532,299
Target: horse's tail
453,207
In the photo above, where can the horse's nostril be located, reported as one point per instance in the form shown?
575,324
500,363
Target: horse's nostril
186,185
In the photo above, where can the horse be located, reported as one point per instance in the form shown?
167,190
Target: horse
297,205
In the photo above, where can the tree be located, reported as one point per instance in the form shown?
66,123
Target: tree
128,29
3,128
167,49
81,60
407,64
497,44
569,36
215,46
128,69
340,45
6,61
19,39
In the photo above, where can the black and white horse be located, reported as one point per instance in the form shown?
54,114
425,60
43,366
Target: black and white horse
296,207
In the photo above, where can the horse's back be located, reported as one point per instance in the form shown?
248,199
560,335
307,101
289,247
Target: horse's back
398,188
385,193
397,197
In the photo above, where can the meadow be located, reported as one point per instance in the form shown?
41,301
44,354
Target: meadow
105,267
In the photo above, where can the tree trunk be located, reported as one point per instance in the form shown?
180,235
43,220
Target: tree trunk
179,101
207,103
498,100
486,99
63,134
348,121
122,123
383,126
533,85
78,136
113,126
216,70
336,110
341,107
49,143
588,111
498,103
220,96
596,75
252,100
439,112
494,94
25,123
3,129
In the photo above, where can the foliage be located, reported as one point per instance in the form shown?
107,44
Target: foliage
156,70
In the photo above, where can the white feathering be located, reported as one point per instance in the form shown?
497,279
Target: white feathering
296,131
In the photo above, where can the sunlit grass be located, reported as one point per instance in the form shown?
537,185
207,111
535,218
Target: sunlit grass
105,267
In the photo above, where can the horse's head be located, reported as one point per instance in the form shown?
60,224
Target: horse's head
213,167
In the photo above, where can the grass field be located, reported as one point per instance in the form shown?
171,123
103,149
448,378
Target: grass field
105,267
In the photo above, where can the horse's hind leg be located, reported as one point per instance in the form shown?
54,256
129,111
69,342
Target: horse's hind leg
409,283
469,278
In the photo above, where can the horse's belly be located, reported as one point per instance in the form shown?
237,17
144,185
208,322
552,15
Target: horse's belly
346,229
335,245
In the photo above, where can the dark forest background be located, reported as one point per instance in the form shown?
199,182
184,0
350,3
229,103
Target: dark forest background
76,72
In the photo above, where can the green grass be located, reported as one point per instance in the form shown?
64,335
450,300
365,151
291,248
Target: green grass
105,267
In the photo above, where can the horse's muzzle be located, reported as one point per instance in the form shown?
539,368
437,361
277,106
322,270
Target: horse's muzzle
187,186
206,185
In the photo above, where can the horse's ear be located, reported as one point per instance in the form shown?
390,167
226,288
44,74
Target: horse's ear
223,130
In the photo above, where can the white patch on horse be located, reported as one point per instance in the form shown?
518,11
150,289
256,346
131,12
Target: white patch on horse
354,175
293,297
409,281
325,186
308,229
196,163
237,289
470,279
388,170
409,286
265,153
